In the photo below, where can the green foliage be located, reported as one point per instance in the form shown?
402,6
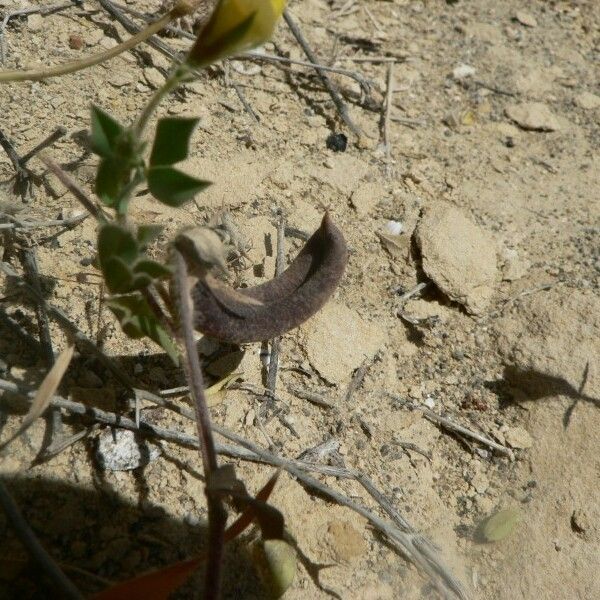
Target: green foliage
172,140
172,187
121,160
105,133
124,265
138,320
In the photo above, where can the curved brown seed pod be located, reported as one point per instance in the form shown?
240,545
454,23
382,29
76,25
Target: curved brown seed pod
269,310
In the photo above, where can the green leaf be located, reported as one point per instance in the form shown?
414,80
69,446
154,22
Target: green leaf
172,140
105,132
147,234
151,268
137,320
172,187
111,179
116,240
117,275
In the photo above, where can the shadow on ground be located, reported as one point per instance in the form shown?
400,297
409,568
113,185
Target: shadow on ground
96,536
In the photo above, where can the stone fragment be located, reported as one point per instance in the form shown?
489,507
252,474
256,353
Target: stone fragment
587,101
458,255
533,115
119,450
462,71
345,541
526,18
337,340
517,437
153,77
513,265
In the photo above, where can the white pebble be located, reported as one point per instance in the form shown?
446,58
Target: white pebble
394,227
429,402
463,71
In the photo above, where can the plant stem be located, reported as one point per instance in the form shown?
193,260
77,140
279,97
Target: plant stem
90,61
170,84
217,515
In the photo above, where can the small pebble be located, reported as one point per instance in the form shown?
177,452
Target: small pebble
463,72
119,450
76,42
429,402
338,142
394,227
525,18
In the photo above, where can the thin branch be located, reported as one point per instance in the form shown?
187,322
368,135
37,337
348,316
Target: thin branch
31,10
58,133
217,515
329,85
30,342
78,335
73,187
92,60
387,113
276,342
452,426
312,397
117,12
24,225
408,542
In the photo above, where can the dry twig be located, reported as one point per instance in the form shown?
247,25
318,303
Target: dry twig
329,85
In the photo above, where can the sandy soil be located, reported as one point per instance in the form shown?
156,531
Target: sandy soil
492,169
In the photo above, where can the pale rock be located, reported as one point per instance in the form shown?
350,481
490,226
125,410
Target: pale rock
283,175
587,101
514,267
458,255
485,32
534,82
508,130
35,22
153,77
304,216
526,18
480,482
93,36
121,78
552,341
518,437
463,71
394,227
337,340
366,197
108,42
120,450
533,115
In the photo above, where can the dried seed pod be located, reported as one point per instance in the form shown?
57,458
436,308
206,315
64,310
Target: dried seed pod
269,310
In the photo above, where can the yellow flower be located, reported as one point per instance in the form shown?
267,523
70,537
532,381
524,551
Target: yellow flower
235,26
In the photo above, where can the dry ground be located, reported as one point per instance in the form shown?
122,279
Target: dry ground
521,368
